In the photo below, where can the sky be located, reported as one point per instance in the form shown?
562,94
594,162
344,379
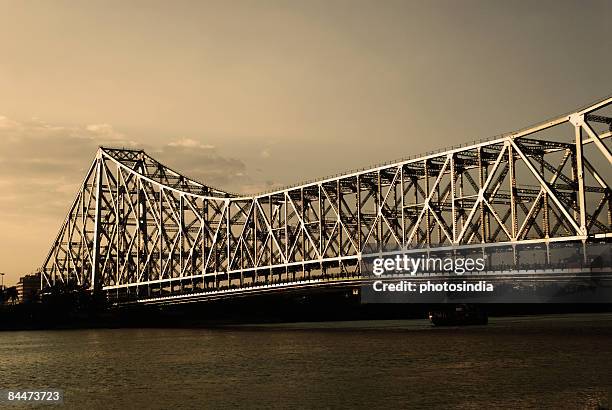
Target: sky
253,95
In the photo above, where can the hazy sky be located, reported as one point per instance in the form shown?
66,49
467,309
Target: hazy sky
246,95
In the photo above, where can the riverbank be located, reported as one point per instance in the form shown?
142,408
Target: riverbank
324,307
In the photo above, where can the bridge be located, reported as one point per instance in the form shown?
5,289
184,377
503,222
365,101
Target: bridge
142,232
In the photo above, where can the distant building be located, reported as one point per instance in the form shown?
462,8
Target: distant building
28,287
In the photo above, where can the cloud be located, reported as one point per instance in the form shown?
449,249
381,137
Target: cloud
107,132
42,164
190,143
204,163
6,123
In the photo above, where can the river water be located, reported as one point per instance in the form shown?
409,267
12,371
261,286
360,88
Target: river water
529,362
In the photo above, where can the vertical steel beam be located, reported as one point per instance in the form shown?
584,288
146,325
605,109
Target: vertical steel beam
96,280
303,227
339,207
513,192
426,204
481,181
453,176
379,222
182,262
286,224
403,205
580,177
321,222
358,203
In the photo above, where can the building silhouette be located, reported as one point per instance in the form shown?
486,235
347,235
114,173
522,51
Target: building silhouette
28,287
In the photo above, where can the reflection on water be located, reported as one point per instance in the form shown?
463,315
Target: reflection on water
544,361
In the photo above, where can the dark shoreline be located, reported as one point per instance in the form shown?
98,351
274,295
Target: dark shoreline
323,307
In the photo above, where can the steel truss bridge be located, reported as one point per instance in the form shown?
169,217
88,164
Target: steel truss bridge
140,231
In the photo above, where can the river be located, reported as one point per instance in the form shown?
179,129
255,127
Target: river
557,361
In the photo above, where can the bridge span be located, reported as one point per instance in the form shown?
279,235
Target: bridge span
536,199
